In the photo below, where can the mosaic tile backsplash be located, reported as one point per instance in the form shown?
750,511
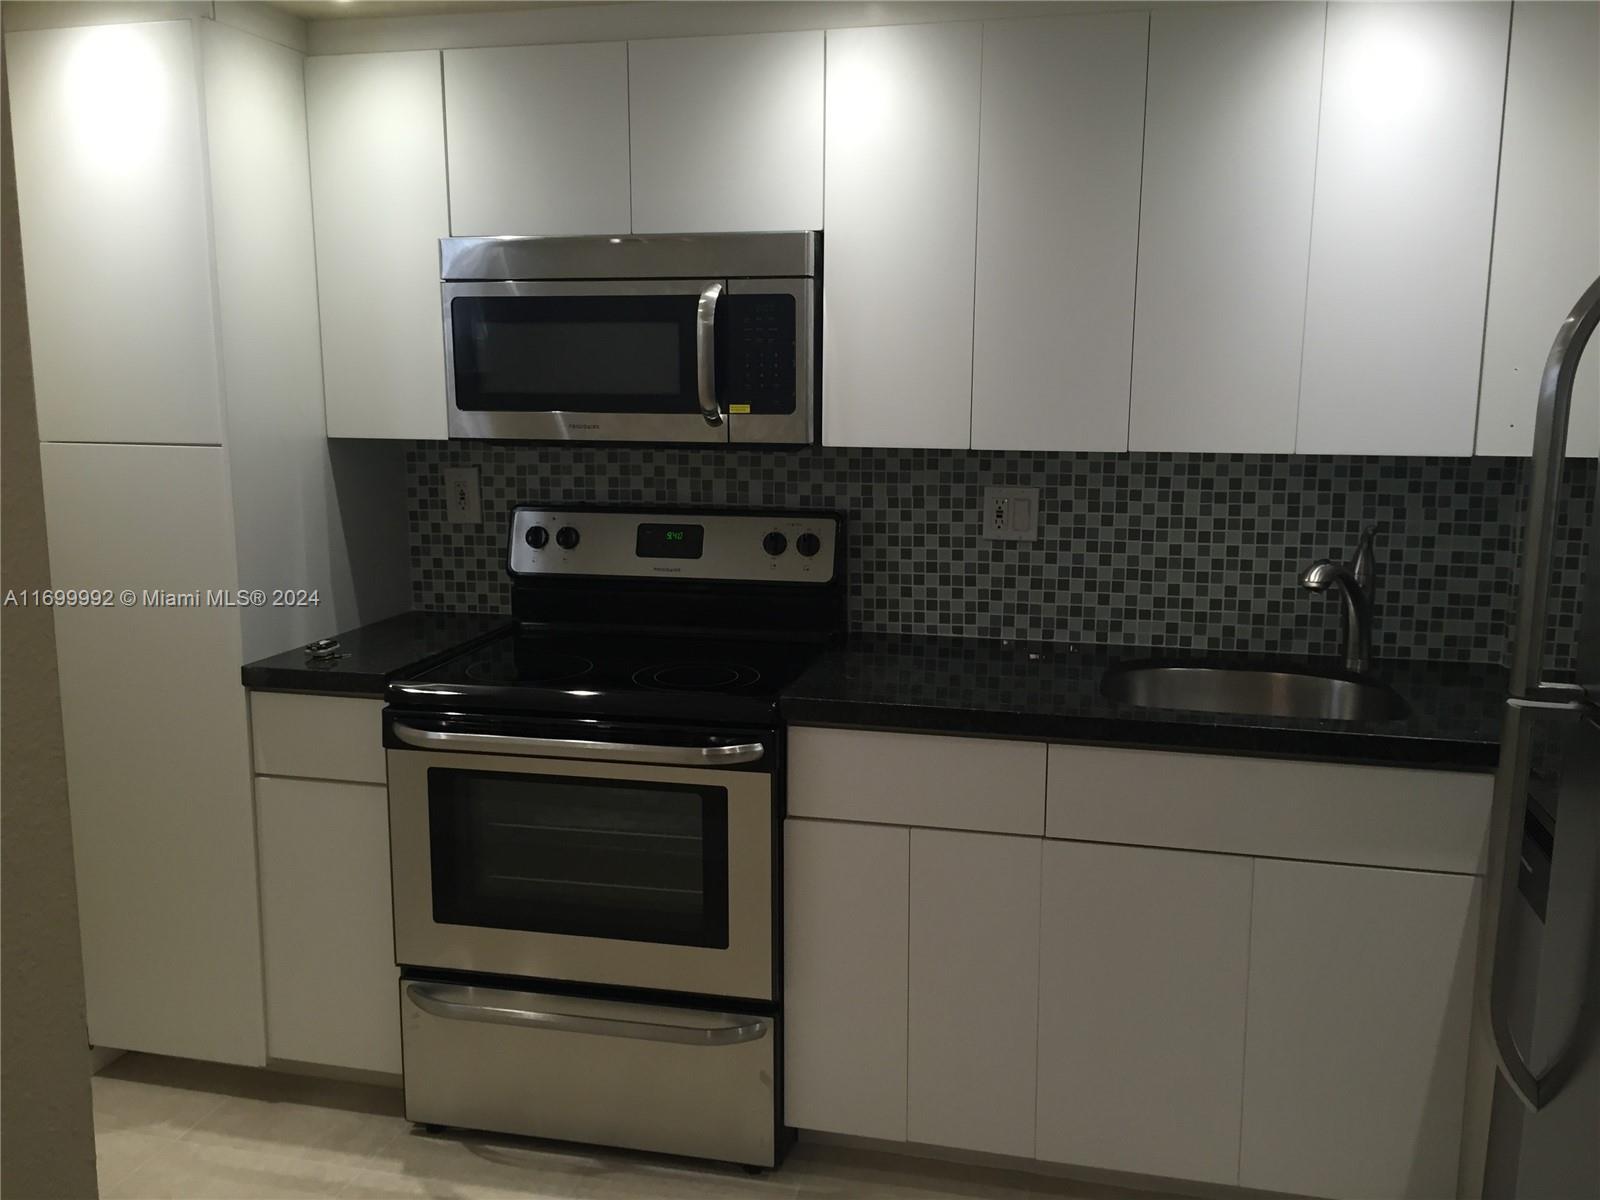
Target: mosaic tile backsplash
1193,550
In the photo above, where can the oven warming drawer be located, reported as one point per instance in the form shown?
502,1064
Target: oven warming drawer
673,1080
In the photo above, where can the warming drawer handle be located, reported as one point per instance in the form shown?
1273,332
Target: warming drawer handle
628,752
436,999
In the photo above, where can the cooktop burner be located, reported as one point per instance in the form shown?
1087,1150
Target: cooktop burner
542,668
697,676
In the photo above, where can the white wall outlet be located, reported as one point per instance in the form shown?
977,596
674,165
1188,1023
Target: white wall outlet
461,497
1011,513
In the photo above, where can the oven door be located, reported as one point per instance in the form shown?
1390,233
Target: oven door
509,857
607,360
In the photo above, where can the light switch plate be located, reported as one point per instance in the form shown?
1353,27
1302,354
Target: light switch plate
1010,514
461,497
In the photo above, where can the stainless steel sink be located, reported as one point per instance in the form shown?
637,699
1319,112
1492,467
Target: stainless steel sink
1270,693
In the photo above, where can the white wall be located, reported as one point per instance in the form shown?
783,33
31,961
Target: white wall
45,1117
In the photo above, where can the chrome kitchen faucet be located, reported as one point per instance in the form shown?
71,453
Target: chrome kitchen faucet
1357,583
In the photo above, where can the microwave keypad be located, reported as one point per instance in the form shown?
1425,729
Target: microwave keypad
759,369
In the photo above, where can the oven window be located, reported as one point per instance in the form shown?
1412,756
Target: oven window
601,354
642,862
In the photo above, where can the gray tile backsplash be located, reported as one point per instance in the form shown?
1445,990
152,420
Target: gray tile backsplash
1197,550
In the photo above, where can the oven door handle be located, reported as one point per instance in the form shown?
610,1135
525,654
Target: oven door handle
455,1003
628,752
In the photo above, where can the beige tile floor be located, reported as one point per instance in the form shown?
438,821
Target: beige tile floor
173,1130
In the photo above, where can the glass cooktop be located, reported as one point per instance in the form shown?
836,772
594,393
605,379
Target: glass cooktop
602,674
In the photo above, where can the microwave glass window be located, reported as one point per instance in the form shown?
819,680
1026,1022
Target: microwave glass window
602,354
576,358
644,862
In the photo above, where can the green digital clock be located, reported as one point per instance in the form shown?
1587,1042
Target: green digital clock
670,541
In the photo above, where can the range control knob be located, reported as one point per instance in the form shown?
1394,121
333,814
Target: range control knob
808,544
774,543
566,537
537,536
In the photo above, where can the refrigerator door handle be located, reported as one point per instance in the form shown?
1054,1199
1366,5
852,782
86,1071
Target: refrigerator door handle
1544,491
1534,1088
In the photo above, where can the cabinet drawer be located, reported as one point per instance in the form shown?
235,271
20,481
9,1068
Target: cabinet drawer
917,779
318,737
1326,812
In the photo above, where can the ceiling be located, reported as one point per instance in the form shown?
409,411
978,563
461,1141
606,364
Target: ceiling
323,10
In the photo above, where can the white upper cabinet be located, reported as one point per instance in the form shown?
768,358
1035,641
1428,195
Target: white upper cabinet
1406,161
1546,232
1062,134
901,218
376,123
538,139
1225,224
111,196
726,133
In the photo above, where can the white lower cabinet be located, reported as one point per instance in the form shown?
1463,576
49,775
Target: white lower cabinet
1212,1011
1360,997
326,923
974,990
1142,975
157,751
845,977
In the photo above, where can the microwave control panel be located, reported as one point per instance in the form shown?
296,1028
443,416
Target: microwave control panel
757,370
782,546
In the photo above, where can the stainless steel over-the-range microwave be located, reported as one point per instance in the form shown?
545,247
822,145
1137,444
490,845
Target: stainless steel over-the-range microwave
709,338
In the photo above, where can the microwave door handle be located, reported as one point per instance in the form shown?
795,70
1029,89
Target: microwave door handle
705,348
723,755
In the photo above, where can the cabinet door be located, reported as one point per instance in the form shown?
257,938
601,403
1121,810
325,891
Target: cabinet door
1058,231
751,159
111,197
844,977
1406,160
1546,237
538,139
327,929
1142,975
157,749
974,995
1225,224
1355,1064
901,197
376,125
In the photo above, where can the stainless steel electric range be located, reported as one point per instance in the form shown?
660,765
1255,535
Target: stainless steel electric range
585,819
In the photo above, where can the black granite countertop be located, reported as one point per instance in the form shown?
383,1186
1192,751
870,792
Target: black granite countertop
373,654
1015,690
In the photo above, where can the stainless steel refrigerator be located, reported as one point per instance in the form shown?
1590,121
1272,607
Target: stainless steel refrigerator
1539,976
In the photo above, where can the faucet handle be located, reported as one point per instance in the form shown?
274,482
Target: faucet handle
1364,566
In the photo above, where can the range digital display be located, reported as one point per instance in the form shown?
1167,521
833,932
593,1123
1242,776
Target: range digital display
670,541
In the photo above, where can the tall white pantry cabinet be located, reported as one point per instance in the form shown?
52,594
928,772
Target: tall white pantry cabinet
177,368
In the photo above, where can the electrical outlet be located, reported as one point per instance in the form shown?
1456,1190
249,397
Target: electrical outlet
1011,513
461,495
